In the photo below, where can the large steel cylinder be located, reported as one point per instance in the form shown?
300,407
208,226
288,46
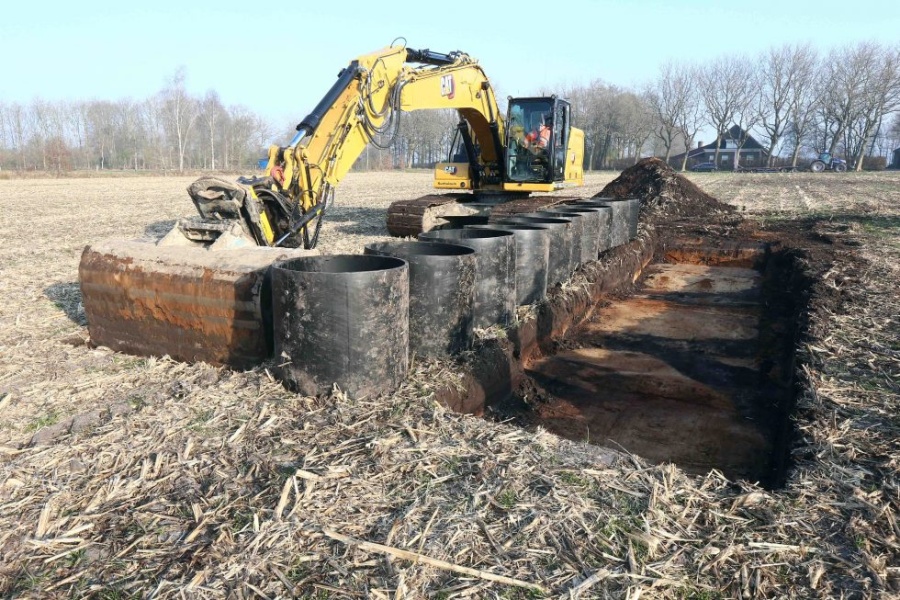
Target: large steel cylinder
560,257
590,240
532,257
576,226
618,222
606,222
495,271
633,210
441,295
341,319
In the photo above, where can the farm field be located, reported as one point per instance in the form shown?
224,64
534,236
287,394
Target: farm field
125,476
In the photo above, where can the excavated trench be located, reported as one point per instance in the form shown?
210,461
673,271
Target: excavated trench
694,367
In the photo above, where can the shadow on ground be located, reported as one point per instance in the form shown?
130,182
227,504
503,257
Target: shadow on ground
160,228
358,220
67,297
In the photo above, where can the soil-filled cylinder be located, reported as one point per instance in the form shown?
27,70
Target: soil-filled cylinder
532,257
633,211
495,271
576,226
342,320
560,257
590,240
441,295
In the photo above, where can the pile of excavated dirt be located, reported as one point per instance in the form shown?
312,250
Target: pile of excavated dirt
660,187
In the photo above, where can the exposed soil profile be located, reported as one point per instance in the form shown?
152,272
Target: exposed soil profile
682,371
694,366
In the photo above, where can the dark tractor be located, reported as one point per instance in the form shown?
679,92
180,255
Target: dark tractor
827,162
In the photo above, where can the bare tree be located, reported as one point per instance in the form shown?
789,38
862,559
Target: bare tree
211,110
132,133
181,111
674,103
861,86
727,88
151,117
100,132
422,137
806,98
843,86
247,136
892,138
596,116
18,131
44,123
880,97
691,117
637,126
786,72
76,119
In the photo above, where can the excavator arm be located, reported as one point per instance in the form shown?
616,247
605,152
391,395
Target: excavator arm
364,106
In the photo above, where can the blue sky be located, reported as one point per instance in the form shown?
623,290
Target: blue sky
279,58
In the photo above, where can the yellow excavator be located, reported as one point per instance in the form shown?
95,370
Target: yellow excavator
199,292
492,160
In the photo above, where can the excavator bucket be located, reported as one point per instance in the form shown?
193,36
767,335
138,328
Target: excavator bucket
188,302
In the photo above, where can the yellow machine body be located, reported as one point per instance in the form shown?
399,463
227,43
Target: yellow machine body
362,105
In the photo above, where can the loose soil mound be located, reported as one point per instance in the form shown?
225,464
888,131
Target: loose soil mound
661,187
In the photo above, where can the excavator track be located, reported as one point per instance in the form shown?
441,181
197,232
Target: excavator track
412,217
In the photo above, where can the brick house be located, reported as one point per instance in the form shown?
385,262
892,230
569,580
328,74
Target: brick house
752,153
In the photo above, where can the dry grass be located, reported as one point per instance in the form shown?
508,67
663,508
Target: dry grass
203,482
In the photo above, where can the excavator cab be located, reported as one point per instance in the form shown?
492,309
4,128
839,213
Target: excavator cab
537,134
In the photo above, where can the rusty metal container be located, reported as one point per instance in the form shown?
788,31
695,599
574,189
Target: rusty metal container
188,303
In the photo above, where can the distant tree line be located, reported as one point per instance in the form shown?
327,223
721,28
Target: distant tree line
793,99
172,130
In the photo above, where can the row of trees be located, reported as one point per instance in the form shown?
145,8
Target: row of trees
793,99
790,98
170,130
